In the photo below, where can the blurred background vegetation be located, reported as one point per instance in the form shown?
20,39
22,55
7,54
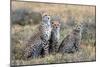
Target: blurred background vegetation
25,19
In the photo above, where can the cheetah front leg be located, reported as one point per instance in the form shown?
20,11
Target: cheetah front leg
77,45
46,48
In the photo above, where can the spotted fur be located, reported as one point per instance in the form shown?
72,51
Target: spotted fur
72,41
55,36
45,29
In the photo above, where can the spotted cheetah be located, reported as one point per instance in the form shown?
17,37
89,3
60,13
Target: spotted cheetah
72,41
55,36
45,29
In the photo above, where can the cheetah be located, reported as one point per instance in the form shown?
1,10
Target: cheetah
33,47
72,41
55,36
45,29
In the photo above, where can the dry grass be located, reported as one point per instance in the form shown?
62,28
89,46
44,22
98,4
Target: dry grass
21,34
87,53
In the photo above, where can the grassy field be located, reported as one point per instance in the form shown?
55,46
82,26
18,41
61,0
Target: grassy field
69,14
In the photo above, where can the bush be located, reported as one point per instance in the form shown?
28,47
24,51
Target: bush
25,16
89,28
71,21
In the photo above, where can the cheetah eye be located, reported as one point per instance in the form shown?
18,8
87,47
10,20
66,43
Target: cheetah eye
58,25
51,23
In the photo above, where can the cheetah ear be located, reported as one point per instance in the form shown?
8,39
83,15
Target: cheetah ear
75,26
43,13
82,24
59,23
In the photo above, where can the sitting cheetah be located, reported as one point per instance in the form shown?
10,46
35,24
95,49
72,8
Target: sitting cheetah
72,41
45,29
33,47
55,36
38,43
